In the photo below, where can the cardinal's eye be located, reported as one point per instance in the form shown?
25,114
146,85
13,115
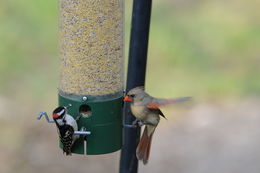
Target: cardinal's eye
132,95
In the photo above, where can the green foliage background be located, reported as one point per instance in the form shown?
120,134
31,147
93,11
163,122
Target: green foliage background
205,49
198,48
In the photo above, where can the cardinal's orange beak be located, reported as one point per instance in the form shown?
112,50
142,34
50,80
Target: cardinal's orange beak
55,116
128,99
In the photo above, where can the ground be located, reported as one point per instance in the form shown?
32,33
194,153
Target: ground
210,136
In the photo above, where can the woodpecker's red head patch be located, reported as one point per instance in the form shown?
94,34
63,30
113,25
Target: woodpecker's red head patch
59,112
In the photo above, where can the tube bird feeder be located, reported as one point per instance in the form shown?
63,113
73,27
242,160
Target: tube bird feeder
91,70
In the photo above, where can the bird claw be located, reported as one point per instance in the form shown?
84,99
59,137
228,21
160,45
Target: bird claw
140,123
136,123
78,118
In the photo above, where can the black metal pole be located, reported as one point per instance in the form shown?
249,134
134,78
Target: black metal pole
135,77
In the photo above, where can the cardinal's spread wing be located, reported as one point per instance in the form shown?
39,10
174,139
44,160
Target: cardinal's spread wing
154,108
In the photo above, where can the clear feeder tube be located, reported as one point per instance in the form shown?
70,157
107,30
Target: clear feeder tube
91,47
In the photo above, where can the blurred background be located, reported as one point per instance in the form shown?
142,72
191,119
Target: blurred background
205,49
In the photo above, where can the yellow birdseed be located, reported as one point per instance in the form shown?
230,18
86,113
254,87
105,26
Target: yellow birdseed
91,46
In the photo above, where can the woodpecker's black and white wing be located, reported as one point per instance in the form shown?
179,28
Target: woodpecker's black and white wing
66,138
72,122
66,128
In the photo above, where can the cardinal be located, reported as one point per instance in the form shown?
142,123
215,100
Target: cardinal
147,111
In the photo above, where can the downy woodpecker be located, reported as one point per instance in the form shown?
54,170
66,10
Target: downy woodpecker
66,125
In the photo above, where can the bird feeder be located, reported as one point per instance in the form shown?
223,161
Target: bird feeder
91,71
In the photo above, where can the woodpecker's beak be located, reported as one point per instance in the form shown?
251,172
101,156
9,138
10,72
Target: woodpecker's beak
128,99
55,116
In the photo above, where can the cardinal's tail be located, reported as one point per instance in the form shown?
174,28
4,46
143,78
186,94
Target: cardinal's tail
143,148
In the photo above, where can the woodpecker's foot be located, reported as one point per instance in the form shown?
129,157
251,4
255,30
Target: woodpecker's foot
78,118
83,129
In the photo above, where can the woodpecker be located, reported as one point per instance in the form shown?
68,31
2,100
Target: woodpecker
66,125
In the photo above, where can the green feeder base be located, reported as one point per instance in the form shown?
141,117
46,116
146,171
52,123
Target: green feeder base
102,116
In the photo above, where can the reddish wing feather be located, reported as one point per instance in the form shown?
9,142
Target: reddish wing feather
162,102
155,108
152,106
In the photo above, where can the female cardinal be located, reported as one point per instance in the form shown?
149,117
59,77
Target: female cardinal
146,109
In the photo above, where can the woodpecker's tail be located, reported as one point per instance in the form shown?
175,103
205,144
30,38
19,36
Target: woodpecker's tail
68,153
67,145
143,148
